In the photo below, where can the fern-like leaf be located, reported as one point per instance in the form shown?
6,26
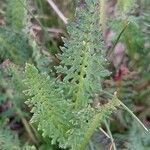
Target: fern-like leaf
62,109
49,105
91,120
82,61
125,6
8,141
55,115
14,46
15,14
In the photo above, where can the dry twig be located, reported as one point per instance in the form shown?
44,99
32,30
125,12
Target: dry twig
56,9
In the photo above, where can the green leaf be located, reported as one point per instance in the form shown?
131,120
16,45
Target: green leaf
14,46
82,61
15,14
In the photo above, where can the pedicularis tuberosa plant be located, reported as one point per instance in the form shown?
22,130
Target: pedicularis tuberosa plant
63,108
74,98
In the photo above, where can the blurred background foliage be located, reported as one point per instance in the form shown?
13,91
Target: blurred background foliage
30,31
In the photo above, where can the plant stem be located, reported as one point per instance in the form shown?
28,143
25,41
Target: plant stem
91,145
104,132
26,125
133,115
58,12
111,137
118,38
129,111
103,14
